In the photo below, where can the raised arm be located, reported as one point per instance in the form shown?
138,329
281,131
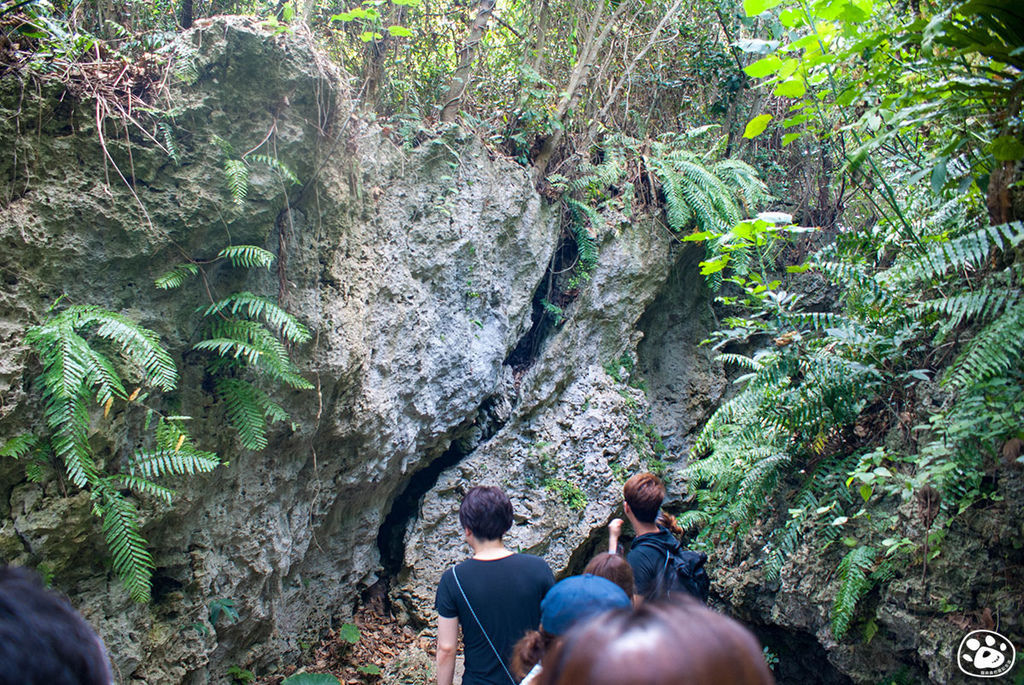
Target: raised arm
614,531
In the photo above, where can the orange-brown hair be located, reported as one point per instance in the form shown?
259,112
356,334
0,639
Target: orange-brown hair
644,494
615,568
669,643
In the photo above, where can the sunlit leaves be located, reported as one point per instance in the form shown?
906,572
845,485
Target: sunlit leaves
756,7
757,125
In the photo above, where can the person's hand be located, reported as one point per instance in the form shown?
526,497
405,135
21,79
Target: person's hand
615,528
614,531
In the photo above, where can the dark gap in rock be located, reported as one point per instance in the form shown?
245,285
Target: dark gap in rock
546,319
801,657
470,435
163,584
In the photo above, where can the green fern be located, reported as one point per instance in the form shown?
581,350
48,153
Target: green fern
176,276
75,371
236,174
170,144
855,580
257,307
278,166
995,349
247,256
131,560
248,409
970,250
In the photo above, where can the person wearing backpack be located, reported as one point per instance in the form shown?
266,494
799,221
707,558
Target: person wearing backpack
661,566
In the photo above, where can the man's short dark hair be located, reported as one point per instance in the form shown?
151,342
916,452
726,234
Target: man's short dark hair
43,640
486,511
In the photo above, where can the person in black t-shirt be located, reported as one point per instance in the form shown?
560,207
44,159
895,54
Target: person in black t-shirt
495,595
656,533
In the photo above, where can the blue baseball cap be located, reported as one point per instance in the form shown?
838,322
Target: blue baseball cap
578,597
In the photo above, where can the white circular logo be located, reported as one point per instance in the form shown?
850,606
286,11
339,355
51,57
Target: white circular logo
985,654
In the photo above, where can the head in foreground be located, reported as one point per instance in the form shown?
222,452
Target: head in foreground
567,603
43,640
659,643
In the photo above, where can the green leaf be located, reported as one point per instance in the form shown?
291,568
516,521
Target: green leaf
790,18
791,88
713,266
349,632
1007,148
763,67
756,126
367,36
938,176
369,669
865,492
400,31
790,137
756,7
408,3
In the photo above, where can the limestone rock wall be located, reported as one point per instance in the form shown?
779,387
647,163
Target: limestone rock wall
415,268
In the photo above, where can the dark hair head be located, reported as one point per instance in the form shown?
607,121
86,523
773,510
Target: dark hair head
486,511
615,568
644,494
668,643
43,640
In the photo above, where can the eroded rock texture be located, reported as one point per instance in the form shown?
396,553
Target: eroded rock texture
414,268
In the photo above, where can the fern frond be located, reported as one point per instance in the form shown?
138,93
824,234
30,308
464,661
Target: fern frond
19,446
176,276
997,347
855,581
983,303
127,481
742,361
131,560
247,256
187,460
970,250
278,166
256,307
170,144
244,411
237,176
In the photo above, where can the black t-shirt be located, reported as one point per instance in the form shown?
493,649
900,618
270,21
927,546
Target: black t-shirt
647,560
505,594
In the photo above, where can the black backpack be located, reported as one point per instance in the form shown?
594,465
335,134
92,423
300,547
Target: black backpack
683,572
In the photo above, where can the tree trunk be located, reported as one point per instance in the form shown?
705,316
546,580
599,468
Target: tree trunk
577,82
467,55
186,14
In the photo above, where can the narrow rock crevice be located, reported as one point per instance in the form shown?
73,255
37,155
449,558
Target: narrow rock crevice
545,320
801,658
468,437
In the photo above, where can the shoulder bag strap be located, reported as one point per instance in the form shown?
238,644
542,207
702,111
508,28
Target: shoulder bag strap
477,619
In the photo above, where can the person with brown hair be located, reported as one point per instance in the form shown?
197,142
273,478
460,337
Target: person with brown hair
566,604
615,568
660,564
671,642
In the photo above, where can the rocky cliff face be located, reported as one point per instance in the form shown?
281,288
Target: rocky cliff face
420,267
415,266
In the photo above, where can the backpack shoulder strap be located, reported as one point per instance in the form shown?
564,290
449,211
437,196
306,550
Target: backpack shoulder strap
477,619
